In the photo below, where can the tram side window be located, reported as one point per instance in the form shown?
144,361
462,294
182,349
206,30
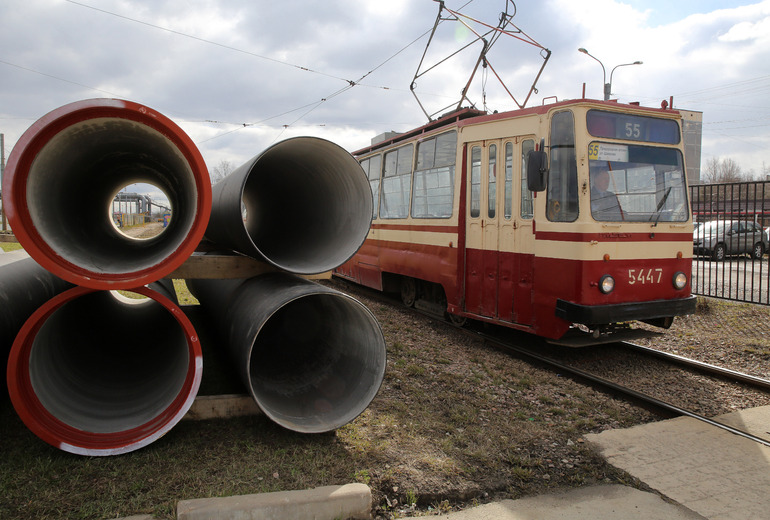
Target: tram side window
527,199
397,183
562,198
475,181
434,177
492,185
372,167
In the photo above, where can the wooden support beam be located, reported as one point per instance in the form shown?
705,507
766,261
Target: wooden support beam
213,266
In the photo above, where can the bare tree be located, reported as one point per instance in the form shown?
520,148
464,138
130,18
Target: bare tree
220,171
722,170
710,174
731,171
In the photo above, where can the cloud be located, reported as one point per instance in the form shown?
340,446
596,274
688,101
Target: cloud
281,68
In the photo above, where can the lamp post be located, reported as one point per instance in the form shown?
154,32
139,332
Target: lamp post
607,86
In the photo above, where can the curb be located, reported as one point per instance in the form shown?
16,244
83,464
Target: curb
328,502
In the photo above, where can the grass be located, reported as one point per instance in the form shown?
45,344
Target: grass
210,458
453,420
10,246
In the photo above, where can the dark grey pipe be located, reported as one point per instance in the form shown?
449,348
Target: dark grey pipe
24,286
312,358
308,206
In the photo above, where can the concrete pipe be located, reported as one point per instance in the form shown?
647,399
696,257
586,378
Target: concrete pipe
24,286
64,173
311,357
93,373
303,205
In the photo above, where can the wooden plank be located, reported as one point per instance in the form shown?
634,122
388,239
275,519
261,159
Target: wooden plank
199,266
220,266
221,407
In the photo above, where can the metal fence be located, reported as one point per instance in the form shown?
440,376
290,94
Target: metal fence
728,214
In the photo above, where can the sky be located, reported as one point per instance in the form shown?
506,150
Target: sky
240,75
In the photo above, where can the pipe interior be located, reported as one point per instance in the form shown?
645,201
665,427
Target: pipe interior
308,204
102,365
73,179
317,362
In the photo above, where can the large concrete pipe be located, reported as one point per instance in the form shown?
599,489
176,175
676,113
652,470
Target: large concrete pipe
64,173
24,286
93,373
307,202
311,357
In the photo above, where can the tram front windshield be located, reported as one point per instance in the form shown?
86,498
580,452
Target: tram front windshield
636,183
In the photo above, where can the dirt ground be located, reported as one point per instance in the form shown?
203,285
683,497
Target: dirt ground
146,231
455,423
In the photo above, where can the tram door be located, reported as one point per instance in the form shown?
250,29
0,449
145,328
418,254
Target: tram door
499,235
481,237
517,242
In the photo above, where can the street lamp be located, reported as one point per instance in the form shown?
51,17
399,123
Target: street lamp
607,86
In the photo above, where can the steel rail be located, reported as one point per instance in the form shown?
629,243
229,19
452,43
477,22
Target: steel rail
640,396
700,365
600,381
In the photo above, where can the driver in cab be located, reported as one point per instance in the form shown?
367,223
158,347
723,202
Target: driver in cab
604,203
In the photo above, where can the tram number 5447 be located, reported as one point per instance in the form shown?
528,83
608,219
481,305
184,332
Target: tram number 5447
644,276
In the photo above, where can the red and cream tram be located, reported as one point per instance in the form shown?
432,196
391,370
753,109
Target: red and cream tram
567,220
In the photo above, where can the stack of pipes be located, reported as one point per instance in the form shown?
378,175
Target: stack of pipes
94,373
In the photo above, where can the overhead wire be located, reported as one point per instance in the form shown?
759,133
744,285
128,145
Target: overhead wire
58,78
313,105
350,85
204,40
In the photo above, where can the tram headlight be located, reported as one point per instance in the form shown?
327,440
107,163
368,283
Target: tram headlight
680,280
606,284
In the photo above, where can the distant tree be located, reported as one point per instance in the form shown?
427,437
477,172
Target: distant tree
731,171
722,170
220,171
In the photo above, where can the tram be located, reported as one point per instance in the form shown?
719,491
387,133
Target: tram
569,220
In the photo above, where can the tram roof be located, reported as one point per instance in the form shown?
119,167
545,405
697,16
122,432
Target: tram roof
468,115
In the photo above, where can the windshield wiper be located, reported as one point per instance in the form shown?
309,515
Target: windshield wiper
660,205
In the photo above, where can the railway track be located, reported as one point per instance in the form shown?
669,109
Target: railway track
573,362
664,407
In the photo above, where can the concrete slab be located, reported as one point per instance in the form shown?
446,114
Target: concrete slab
715,473
13,256
591,503
323,503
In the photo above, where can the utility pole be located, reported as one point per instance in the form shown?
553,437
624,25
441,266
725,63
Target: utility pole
2,172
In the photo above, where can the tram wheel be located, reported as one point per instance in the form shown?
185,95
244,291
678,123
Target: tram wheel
457,321
408,291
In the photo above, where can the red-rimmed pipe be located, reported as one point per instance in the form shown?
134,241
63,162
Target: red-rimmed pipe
64,173
92,373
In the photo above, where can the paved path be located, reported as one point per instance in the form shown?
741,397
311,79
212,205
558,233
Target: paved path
592,503
12,256
717,474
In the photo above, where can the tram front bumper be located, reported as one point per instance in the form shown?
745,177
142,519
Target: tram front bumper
620,312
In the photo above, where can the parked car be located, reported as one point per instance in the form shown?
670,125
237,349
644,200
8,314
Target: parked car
721,238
